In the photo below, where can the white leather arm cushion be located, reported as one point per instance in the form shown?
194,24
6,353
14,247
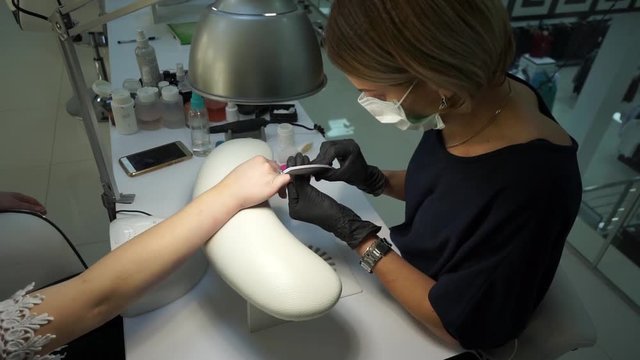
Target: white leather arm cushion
256,254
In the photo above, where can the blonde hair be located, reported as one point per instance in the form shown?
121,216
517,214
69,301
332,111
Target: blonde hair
459,45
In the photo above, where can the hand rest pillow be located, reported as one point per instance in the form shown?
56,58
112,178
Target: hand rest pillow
256,254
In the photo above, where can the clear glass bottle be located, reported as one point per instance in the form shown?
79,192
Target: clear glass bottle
147,61
172,108
148,111
199,124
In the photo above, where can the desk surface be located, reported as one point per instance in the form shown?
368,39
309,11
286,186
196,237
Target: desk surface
210,322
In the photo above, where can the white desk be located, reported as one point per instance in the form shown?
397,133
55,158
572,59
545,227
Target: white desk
209,322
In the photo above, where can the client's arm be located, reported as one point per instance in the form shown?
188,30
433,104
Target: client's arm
106,288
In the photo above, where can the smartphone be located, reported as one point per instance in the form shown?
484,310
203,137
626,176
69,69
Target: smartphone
155,158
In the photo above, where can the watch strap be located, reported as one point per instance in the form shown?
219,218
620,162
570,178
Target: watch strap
376,251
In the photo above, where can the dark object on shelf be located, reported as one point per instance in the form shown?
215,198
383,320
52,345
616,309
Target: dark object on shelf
283,113
632,162
581,75
629,243
246,109
632,90
239,126
572,42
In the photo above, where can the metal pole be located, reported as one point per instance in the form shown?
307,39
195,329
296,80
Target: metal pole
619,226
110,195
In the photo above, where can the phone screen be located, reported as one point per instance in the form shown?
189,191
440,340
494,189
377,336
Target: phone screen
155,158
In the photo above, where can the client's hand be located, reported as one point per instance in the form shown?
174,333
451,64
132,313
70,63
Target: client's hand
306,203
18,201
253,181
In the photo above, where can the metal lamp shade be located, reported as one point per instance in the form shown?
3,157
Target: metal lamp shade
255,52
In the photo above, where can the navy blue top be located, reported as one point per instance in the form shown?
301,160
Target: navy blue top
489,229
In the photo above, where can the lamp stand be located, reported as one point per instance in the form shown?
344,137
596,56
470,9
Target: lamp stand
110,194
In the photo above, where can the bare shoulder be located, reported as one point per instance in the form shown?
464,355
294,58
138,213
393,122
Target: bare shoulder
524,122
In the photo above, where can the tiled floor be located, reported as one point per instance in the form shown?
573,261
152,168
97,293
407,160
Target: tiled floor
44,152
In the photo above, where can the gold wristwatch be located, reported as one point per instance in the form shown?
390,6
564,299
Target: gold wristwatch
376,251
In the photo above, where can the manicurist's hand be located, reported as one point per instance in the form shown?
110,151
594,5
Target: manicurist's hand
353,169
308,204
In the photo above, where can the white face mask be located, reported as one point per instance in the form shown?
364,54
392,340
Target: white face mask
390,112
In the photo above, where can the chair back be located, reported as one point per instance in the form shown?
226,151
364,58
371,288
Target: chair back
559,325
33,249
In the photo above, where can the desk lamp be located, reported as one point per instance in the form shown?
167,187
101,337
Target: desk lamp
247,51
255,52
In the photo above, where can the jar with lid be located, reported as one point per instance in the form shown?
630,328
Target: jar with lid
132,85
172,108
148,111
123,112
102,100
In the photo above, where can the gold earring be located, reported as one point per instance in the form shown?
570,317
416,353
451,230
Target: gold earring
443,103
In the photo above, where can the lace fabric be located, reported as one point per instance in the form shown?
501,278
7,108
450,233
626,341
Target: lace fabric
18,340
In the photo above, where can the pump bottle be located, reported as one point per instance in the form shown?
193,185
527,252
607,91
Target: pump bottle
147,61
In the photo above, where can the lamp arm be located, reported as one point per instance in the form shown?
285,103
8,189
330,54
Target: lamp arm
100,20
66,30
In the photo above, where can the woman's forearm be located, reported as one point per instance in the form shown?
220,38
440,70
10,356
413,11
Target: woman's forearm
410,287
394,183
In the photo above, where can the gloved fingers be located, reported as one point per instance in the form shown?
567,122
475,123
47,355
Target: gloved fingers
301,159
292,194
326,155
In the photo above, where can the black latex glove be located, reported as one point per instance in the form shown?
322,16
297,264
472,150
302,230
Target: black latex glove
353,169
308,204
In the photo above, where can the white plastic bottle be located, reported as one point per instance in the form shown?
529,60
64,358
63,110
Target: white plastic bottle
147,61
199,124
286,144
123,113
172,108
148,110
231,112
181,78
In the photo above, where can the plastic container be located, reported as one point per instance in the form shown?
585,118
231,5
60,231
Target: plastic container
172,108
231,112
216,110
132,85
147,61
286,143
123,112
102,100
199,124
148,110
181,79
162,84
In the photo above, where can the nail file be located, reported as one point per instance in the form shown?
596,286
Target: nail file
305,169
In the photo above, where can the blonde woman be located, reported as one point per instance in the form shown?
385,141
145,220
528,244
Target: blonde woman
34,324
491,190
